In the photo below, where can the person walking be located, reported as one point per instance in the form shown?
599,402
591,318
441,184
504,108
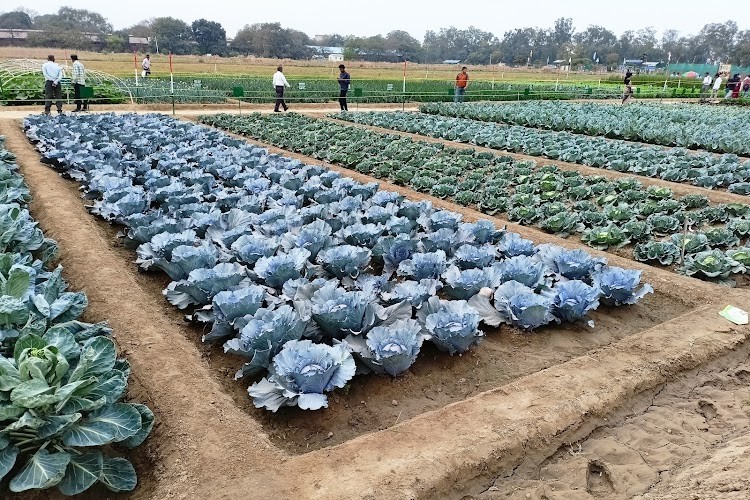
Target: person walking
52,75
729,86
705,89
717,86
78,79
628,87
737,87
146,65
280,83
462,80
345,80
746,86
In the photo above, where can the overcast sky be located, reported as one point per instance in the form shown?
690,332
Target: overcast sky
372,17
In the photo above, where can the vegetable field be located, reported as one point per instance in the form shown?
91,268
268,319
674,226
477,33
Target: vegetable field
61,383
606,214
297,269
694,127
675,165
336,311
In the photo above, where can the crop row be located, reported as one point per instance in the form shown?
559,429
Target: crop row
676,165
607,214
301,271
689,126
61,384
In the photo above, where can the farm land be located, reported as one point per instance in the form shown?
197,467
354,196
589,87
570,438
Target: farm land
652,401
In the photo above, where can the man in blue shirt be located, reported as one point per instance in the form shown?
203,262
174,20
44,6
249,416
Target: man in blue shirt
344,81
52,75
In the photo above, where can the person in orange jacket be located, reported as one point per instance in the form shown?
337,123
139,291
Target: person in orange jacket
462,80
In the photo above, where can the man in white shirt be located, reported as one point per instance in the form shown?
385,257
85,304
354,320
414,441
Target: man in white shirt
707,81
52,75
717,86
78,79
279,83
146,65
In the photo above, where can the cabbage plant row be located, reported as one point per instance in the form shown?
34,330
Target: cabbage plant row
61,384
307,276
686,125
676,165
607,214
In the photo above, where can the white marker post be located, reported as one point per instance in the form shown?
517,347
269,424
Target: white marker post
171,74
135,66
404,88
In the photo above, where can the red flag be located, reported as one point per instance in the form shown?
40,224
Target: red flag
170,62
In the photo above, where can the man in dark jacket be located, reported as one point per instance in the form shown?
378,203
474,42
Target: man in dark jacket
344,80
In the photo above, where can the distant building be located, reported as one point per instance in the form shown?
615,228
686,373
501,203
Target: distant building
330,53
452,61
138,42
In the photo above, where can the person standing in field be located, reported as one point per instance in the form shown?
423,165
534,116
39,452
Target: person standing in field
78,79
462,80
52,75
628,87
280,83
737,87
707,81
746,86
146,65
717,86
345,80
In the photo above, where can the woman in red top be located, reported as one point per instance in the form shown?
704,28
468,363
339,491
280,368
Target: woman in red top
462,80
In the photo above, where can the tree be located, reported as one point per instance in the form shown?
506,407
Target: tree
16,20
143,29
334,40
562,32
471,45
517,45
210,37
117,41
55,37
717,41
172,35
80,20
271,40
404,45
595,40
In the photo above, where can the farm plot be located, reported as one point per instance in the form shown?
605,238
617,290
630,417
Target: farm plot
239,231
689,126
704,170
608,215
61,383
481,437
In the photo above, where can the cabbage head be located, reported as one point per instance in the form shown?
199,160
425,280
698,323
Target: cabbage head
263,336
390,349
618,286
572,301
453,325
301,373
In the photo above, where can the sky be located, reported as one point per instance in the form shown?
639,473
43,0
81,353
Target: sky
365,18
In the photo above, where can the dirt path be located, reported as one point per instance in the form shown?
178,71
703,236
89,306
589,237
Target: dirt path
679,189
206,447
691,439
19,112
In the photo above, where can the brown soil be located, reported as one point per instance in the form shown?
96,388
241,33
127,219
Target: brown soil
556,386
688,439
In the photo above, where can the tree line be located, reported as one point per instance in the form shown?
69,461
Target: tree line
715,42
